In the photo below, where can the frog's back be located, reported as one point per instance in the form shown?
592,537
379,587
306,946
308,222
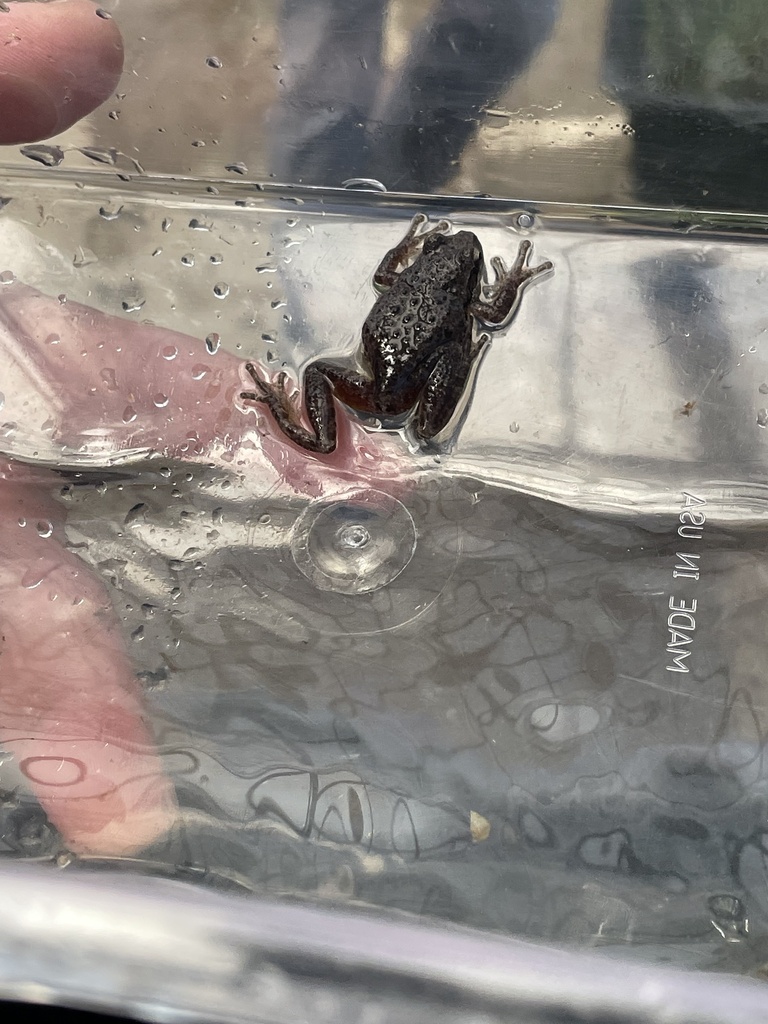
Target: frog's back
409,322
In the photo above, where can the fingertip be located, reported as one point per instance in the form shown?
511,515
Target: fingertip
59,61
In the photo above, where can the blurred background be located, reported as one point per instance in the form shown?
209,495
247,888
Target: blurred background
591,101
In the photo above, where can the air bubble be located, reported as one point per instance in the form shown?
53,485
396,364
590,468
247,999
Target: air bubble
762,418
354,545
165,226
129,414
238,168
198,372
44,528
221,290
101,13
265,518
188,260
217,259
160,400
169,352
212,343
213,62
52,339
7,277
133,304
524,221
763,389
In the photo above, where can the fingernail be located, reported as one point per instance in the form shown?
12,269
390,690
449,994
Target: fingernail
29,111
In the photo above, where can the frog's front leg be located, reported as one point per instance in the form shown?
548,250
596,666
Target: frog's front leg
399,257
321,381
508,285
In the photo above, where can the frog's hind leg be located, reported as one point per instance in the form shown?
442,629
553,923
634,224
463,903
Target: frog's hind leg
321,380
401,255
442,392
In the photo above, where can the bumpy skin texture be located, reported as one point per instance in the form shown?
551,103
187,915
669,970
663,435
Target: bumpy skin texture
58,62
418,344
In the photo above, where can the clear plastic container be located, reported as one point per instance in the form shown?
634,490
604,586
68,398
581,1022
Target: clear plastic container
510,680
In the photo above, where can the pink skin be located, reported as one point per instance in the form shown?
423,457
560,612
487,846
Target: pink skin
70,707
58,62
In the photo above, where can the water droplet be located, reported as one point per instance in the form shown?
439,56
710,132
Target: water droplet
753,349
7,277
52,339
101,13
135,513
22,522
199,370
524,221
99,156
763,389
109,214
188,260
133,304
265,518
221,290
129,414
198,144
138,634
212,343
44,528
217,259
762,417
199,225
160,400
364,185
213,62
169,352
48,156
627,129
165,226
514,427
238,168
165,472
108,376
114,115
2,399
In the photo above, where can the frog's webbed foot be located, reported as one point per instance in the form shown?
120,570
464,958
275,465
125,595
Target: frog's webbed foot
273,394
284,408
399,257
508,284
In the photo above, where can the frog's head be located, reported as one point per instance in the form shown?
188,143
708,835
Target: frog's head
454,259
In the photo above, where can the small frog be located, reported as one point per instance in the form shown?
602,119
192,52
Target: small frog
418,344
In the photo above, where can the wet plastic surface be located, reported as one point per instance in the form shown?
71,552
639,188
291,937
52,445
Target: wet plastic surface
514,683
543,715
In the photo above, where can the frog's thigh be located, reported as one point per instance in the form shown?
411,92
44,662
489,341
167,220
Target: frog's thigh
442,393
351,388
